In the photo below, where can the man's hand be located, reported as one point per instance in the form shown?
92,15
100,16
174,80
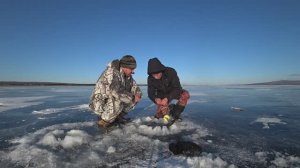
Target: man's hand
158,101
137,98
164,102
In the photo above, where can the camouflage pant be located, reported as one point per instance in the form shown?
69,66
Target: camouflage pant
111,108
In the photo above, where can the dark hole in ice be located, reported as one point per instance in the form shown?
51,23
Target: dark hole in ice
185,148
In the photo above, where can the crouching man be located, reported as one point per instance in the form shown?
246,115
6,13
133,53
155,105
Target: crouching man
116,92
163,87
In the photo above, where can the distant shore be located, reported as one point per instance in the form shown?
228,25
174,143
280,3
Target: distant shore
15,83
42,84
279,82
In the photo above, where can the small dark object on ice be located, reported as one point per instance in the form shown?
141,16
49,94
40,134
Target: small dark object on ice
236,109
185,148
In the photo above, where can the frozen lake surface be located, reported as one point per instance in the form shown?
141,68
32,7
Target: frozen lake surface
236,126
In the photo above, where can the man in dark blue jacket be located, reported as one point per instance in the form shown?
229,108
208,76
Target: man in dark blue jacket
164,86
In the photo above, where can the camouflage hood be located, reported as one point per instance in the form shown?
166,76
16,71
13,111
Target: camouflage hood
115,64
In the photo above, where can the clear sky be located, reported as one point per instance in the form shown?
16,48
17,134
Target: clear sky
207,42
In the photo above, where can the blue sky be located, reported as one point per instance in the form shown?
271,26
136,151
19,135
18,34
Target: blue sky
207,42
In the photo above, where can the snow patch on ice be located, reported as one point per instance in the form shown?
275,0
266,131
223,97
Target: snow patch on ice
154,127
279,159
75,138
209,141
261,156
72,139
58,110
269,120
139,143
111,149
50,138
206,161
197,101
10,103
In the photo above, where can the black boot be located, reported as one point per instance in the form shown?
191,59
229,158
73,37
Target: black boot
177,110
121,119
172,109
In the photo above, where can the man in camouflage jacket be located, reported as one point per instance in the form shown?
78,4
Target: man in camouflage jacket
116,92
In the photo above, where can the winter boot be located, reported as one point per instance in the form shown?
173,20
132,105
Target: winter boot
178,109
103,124
171,107
121,118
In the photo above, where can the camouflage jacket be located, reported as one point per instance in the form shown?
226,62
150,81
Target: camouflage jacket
115,85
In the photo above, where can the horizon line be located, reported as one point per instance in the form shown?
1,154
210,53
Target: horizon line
36,83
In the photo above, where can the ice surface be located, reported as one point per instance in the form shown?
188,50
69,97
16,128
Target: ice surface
50,146
197,101
198,94
69,89
61,131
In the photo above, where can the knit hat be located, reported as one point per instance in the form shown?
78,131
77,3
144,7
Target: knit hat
128,61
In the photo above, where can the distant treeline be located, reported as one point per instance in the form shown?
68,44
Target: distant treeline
42,84
280,82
